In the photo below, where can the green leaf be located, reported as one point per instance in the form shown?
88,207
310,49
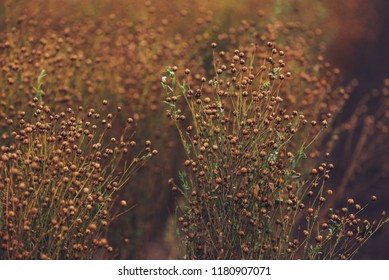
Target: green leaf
275,71
183,87
265,86
294,163
38,89
164,87
184,180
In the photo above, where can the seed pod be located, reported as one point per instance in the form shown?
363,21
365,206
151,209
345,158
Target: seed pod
123,203
350,201
319,238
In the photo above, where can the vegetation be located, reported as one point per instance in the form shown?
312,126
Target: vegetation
96,130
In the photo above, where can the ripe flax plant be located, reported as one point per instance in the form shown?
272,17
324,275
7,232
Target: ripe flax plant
246,198
59,180
118,64
315,86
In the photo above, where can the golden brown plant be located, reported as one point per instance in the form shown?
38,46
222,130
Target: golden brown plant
59,180
116,50
245,197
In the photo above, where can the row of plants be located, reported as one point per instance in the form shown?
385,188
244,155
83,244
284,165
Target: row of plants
241,129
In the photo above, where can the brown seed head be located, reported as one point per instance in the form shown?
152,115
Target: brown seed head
319,238
123,203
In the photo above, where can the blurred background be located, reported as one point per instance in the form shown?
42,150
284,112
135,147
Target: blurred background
354,36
